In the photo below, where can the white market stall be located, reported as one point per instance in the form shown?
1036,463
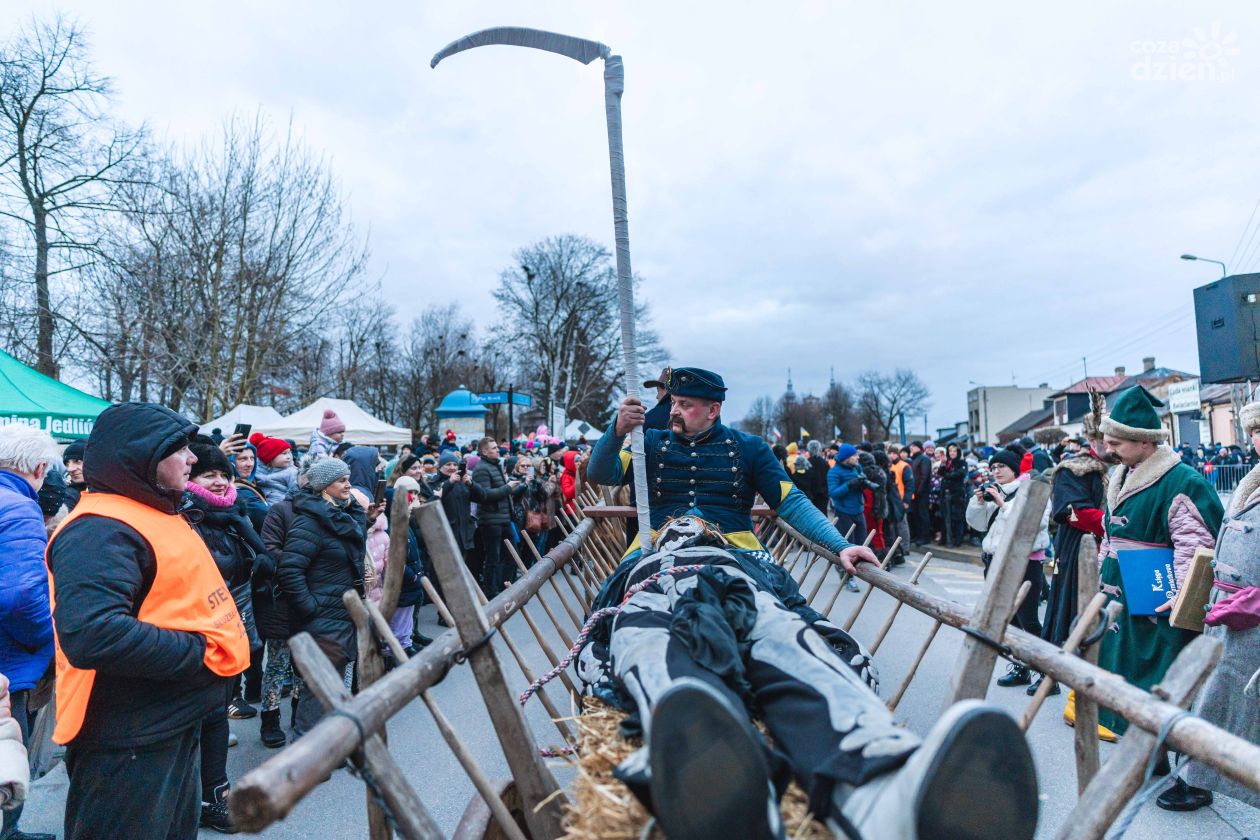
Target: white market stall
255,415
361,427
581,429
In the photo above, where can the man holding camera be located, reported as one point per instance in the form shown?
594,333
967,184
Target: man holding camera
990,511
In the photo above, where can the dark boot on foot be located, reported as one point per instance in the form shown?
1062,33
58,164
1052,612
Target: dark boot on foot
694,731
1036,685
1015,675
214,813
1184,797
270,732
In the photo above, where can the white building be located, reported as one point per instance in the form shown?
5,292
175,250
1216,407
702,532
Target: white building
992,408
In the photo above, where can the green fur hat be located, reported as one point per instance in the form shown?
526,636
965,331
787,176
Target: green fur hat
1133,417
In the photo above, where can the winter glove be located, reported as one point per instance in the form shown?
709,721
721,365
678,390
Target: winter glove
1089,520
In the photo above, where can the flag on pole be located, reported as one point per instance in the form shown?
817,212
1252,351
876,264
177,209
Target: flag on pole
863,431
804,433
777,434
835,430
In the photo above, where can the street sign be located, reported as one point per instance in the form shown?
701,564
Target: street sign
501,398
1183,397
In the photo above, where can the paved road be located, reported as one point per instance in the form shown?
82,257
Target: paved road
336,808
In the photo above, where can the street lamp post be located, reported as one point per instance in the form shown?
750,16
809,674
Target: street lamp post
1224,270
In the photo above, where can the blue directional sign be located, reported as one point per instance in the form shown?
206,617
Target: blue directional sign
501,398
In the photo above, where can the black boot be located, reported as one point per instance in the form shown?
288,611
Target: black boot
214,813
694,730
271,734
1015,675
1032,689
1183,797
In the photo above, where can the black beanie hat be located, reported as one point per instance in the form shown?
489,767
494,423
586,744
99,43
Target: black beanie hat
1007,457
209,457
74,452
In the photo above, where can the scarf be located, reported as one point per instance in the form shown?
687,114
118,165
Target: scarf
211,500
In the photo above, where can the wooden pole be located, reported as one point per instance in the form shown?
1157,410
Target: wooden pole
542,602
892,616
974,669
475,774
1086,734
414,822
543,798
371,668
870,587
269,792
1109,792
564,602
396,555
1084,625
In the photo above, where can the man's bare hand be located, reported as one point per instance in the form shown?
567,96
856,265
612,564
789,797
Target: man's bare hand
629,415
854,554
232,445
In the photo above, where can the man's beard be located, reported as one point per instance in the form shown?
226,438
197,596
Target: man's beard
677,424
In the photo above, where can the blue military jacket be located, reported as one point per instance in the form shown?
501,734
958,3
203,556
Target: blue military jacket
716,475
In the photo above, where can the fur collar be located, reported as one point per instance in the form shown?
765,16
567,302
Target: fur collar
1246,492
1129,482
1082,464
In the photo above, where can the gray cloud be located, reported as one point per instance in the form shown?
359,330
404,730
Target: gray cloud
977,191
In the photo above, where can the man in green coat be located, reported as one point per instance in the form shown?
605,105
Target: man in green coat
1153,501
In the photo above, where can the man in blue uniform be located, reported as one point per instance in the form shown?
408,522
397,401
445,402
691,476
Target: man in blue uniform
701,467
707,630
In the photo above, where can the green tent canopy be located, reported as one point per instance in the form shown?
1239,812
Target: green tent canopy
27,396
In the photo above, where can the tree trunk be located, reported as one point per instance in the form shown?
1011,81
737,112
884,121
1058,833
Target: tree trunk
43,302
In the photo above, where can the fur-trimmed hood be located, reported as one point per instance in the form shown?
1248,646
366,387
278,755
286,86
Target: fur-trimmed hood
1082,464
1129,482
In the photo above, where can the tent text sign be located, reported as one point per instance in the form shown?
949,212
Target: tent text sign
71,427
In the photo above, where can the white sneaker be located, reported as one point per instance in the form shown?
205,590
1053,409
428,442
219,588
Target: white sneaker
972,779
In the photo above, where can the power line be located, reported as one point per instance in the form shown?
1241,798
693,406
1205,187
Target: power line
1250,219
1162,321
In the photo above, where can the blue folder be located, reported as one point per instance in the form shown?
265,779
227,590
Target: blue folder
1148,578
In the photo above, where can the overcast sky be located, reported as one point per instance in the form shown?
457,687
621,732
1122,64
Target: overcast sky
980,191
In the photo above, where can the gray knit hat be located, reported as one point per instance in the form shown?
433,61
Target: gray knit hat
324,471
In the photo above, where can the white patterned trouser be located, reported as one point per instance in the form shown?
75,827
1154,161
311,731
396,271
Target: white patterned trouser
823,717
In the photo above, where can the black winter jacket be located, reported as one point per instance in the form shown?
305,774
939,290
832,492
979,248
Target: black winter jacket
921,465
151,683
494,506
271,610
457,499
235,546
323,556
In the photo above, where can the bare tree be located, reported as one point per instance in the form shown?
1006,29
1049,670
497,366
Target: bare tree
62,158
882,397
559,305
232,261
839,412
760,417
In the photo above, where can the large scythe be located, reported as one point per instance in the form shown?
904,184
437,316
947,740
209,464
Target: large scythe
580,49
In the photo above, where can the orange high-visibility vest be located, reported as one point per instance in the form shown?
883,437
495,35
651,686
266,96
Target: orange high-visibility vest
897,470
188,594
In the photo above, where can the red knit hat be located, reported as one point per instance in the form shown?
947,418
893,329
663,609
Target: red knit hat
269,448
331,424
450,434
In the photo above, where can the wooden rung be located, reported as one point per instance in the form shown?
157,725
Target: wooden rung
1110,791
544,799
897,603
328,686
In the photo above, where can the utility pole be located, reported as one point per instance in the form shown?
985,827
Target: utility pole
511,403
